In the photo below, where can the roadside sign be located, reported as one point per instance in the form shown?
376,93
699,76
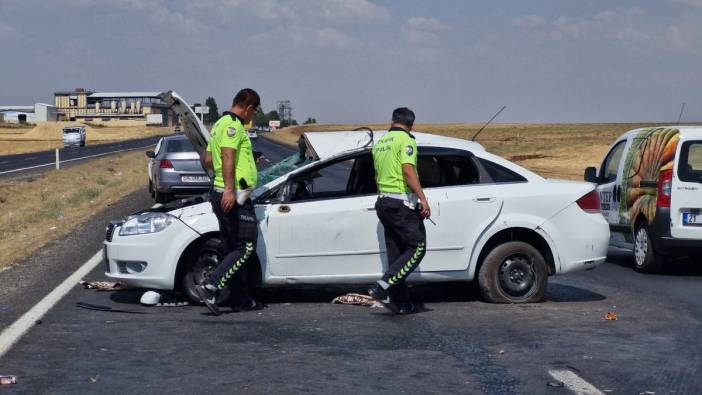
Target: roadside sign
274,124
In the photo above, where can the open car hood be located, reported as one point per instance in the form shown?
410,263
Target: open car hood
190,124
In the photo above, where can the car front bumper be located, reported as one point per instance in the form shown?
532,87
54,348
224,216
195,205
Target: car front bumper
149,260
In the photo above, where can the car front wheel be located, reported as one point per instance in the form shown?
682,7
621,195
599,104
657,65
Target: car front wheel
646,260
200,265
513,272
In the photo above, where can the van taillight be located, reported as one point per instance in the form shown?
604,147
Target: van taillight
166,164
665,185
590,203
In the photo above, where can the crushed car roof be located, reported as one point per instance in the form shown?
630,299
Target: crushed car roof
329,144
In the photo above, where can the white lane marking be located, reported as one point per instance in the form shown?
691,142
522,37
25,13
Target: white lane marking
574,382
71,160
14,332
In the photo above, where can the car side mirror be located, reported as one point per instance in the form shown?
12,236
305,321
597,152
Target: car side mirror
591,175
151,154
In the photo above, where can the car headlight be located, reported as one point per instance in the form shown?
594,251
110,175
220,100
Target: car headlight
145,223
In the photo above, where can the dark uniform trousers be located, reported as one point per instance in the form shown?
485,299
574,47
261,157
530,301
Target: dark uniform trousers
239,232
405,242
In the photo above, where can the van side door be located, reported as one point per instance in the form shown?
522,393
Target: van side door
609,188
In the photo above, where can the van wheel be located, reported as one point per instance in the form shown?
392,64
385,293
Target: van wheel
645,259
200,264
513,272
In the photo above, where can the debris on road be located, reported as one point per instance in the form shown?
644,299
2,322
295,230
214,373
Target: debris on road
94,379
555,383
108,309
101,285
7,380
152,298
610,316
356,299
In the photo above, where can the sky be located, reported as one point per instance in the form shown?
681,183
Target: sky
354,61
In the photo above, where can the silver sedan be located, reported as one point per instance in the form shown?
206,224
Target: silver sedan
175,169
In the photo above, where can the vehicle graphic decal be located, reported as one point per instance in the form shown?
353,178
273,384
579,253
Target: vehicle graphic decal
652,151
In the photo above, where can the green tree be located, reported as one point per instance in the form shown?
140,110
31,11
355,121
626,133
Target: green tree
213,114
273,116
309,121
260,118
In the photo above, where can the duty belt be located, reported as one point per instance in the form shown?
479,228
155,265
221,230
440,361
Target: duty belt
242,195
409,199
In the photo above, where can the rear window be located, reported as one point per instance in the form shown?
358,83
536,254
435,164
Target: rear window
69,131
690,165
179,146
500,174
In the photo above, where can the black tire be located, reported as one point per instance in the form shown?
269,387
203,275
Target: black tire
151,188
200,263
161,197
646,260
513,272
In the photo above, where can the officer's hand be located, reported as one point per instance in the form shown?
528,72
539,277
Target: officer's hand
426,210
261,159
228,200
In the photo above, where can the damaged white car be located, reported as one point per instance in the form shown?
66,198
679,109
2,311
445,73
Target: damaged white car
495,222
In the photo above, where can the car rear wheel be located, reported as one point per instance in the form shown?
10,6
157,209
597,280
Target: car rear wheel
200,264
513,272
161,197
646,260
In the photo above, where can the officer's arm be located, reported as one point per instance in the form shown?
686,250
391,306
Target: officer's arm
228,168
207,161
412,181
228,173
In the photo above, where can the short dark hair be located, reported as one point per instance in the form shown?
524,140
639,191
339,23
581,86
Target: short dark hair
247,97
403,116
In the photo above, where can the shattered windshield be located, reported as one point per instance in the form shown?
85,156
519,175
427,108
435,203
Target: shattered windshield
281,168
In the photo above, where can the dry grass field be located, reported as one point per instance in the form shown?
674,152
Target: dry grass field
47,135
61,200
551,150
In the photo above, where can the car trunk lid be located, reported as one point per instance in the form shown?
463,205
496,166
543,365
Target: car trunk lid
686,189
191,126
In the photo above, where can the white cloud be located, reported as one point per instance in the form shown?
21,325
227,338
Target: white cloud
529,21
423,32
302,37
8,32
691,3
630,28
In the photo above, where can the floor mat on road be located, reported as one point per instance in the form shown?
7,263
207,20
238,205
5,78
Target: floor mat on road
356,299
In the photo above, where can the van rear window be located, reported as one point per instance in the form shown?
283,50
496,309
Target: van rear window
690,166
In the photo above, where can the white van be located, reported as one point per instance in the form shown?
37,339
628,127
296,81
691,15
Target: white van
74,136
650,186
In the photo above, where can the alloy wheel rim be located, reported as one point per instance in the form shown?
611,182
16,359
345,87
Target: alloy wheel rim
641,246
517,277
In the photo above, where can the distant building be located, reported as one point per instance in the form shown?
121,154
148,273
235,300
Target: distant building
82,105
17,114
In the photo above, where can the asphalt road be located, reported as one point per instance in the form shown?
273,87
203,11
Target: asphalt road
45,160
302,343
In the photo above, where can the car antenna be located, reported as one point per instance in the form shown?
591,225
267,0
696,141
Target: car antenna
370,134
488,122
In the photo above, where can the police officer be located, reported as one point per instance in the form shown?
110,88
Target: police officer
401,208
230,154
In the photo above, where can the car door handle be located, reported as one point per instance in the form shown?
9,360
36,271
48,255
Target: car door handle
284,209
370,208
484,199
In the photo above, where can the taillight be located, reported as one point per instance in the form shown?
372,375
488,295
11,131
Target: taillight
590,203
166,164
665,185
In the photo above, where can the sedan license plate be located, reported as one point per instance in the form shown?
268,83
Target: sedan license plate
692,219
195,178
